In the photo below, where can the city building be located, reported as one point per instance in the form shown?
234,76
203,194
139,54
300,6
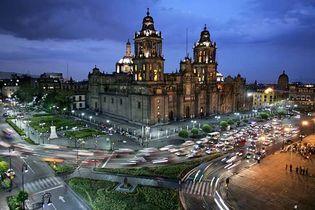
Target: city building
78,101
263,97
140,91
302,95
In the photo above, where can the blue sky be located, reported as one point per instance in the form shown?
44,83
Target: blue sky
258,39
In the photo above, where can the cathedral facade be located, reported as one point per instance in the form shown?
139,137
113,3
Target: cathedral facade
140,92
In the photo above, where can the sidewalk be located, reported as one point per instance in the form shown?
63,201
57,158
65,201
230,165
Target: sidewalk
269,185
3,199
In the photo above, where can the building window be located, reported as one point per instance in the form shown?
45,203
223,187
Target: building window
158,101
80,105
143,67
112,100
120,101
80,98
155,75
139,105
158,107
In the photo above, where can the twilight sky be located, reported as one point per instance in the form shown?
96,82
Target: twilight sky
256,38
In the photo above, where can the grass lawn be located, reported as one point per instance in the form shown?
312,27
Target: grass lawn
48,120
62,168
172,171
100,195
84,133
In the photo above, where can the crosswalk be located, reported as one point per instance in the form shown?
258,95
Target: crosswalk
42,184
203,188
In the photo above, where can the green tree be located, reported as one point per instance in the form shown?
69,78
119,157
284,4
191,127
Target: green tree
223,124
230,122
3,166
26,93
206,128
194,131
263,115
183,133
21,196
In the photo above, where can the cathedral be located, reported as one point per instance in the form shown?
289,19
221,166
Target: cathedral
139,91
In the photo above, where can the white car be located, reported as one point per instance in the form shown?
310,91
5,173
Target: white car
161,160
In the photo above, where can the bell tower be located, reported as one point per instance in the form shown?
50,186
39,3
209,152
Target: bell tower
205,65
148,60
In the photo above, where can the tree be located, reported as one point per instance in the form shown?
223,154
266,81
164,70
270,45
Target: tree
206,128
230,122
21,197
223,124
183,133
194,131
3,166
263,115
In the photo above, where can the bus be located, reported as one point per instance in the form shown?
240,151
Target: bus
213,135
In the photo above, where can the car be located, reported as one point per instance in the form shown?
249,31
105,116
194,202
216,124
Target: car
161,160
248,156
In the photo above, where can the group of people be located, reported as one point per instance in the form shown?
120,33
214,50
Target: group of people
305,150
298,170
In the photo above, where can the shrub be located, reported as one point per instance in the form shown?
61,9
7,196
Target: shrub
230,122
3,166
194,131
223,124
206,128
263,115
62,169
183,133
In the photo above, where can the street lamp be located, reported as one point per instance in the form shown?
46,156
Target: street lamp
72,111
82,114
47,196
11,148
90,118
77,147
24,170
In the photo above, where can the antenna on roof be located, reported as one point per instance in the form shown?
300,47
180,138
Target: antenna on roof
187,42
67,72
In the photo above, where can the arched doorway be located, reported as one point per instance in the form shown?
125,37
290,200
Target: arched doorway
201,112
187,112
171,116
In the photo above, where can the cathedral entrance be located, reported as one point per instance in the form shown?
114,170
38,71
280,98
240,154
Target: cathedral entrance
171,116
201,112
187,112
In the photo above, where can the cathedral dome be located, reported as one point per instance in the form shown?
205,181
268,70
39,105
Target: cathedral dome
205,35
283,81
148,23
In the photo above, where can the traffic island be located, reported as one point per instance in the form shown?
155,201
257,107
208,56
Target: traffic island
101,194
280,181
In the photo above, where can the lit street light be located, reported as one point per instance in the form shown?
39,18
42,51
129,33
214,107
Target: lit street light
90,118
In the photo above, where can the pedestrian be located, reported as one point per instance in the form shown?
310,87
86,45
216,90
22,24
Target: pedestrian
300,170
297,170
290,167
303,171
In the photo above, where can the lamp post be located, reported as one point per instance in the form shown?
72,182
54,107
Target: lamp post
46,196
11,148
24,170
77,147
90,117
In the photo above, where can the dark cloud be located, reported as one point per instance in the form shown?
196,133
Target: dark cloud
72,19
251,35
